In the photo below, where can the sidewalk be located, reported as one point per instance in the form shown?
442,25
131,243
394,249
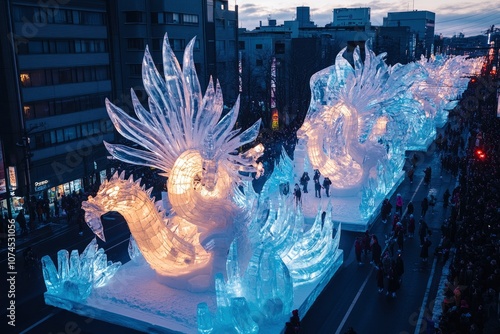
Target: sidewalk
41,231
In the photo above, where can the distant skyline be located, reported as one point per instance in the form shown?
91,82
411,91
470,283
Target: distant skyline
470,17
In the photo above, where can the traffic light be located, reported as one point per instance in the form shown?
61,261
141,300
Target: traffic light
480,154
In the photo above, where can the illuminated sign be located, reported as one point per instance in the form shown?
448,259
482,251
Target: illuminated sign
12,178
41,185
275,119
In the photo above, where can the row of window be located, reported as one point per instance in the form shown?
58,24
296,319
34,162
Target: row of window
176,44
173,18
59,76
70,133
60,46
67,105
41,15
279,48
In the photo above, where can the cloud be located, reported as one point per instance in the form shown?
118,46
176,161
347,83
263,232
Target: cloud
468,17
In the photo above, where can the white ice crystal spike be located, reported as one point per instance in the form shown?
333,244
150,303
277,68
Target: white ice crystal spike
133,251
50,275
74,264
63,264
204,319
193,92
77,275
243,322
173,77
212,107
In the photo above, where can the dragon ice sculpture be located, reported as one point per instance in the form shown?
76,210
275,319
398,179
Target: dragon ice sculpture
184,136
347,129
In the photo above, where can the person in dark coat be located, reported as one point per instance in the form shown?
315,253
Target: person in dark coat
411,226
326,184
376,250
392,283
298,194
380,277
317,188
446,198
303,181
424,252
422,231
358,249
410,209
425,206
385,210
21,220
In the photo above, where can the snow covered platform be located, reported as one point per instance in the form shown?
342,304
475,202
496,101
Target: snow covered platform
345,209
135,299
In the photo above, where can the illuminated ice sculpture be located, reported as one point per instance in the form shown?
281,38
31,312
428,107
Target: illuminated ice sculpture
251,251
364,116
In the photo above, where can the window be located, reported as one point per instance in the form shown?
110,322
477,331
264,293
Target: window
258,46
241,45
134,17
279,48
172,18
190,19
156,44
220,46
135,44
259,62
135,70
177,44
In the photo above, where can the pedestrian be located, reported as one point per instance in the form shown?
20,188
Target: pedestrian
399,267
399,204
297,194
317,174
422,232
411,226
385,210
410,209
326,184
410,173
21,220
392,283
427,175
424,206
376,250
303,181
380,277
432,202
424,252
366,243
446,198
400,239
317,188
358,249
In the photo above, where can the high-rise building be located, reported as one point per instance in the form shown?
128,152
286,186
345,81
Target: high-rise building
61,59
56,75
421,23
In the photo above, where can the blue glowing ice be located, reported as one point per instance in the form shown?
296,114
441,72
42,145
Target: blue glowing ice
76,275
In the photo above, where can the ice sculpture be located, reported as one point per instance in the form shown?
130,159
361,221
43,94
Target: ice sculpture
76,275
284,255
183,135
347,131
362,119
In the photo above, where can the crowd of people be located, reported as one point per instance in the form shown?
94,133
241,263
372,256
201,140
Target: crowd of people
472,289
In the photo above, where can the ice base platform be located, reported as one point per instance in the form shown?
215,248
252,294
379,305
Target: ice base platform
345,208
135,299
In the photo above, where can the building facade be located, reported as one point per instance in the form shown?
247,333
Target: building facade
421,23
57,74
62,59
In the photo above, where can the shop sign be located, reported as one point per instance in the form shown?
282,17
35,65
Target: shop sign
41,185
12,178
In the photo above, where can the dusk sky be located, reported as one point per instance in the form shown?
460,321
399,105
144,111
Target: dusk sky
470,17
